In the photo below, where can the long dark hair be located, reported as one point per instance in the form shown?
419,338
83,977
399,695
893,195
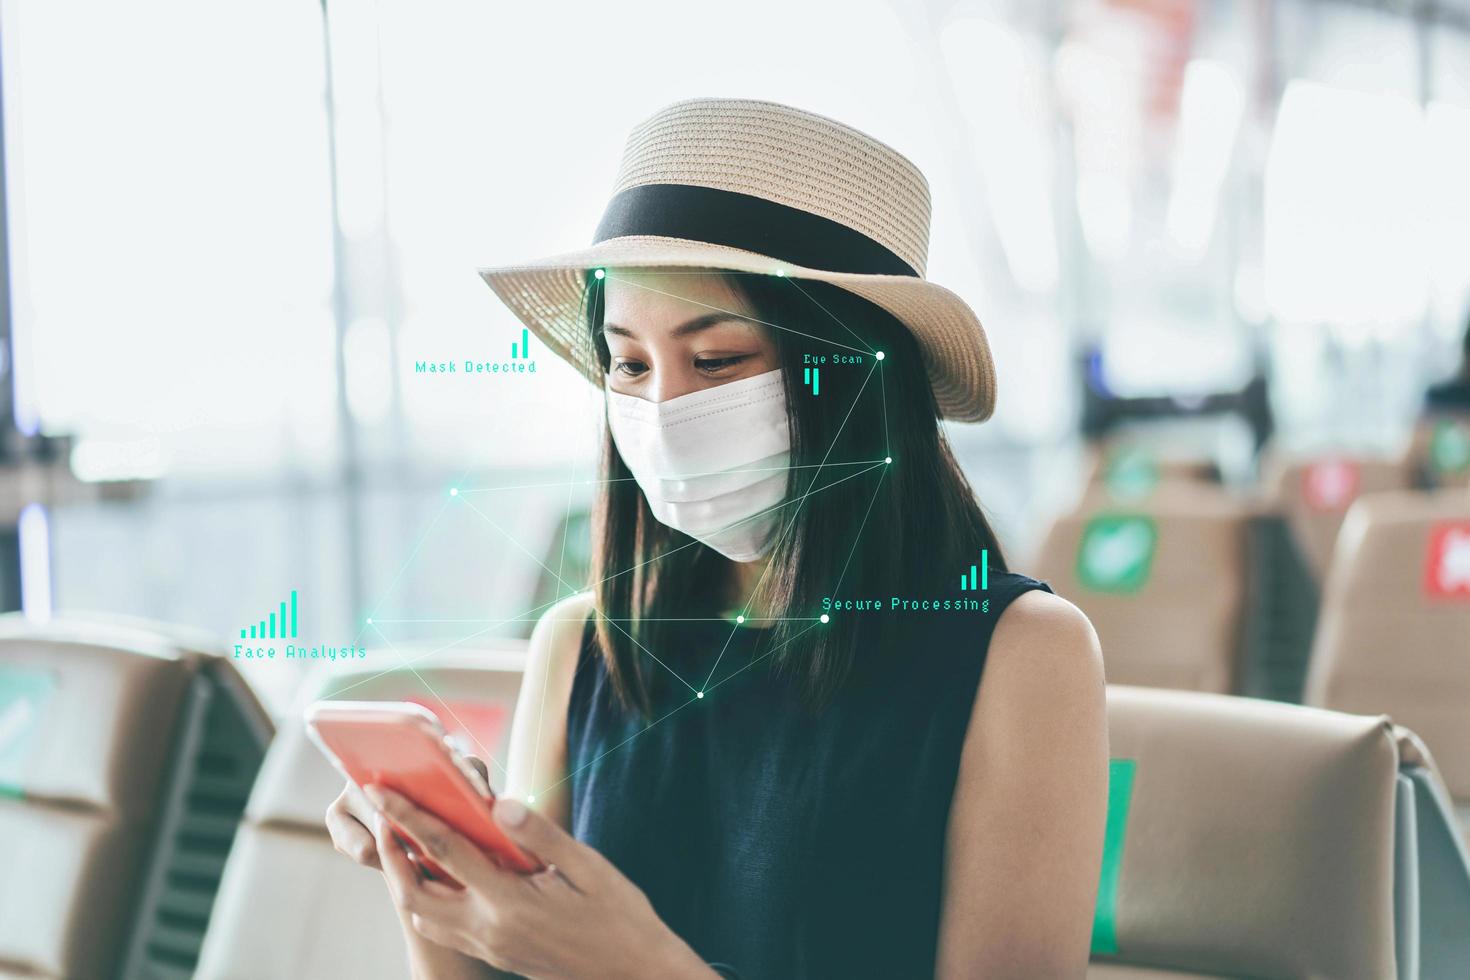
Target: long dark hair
853,525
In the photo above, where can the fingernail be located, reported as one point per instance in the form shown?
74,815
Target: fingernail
511,813
380,823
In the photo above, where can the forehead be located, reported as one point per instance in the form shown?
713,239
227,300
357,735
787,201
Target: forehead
667,298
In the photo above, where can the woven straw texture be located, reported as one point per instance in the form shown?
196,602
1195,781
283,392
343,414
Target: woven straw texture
795,158
788,156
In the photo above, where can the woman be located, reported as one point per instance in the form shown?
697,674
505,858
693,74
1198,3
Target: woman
759,745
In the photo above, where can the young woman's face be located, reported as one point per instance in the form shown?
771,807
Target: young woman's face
672,333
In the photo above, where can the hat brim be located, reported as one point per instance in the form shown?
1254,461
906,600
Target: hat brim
546,295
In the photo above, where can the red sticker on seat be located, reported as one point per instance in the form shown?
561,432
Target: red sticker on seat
1330,484
1447,561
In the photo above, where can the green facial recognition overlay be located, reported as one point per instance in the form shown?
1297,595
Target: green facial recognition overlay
1449,447
1117,553
24,692
1131,474
1120,795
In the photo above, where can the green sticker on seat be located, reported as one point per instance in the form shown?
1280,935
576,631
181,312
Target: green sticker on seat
1117,553
1120,795
1131,474
24,692
1449,448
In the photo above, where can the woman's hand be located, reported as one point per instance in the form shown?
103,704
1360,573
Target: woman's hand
578,918
349,820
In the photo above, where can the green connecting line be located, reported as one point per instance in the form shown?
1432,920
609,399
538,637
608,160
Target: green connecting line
407,663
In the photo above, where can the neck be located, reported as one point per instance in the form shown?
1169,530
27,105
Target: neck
744,576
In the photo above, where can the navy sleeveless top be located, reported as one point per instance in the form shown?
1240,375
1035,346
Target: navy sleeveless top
786,842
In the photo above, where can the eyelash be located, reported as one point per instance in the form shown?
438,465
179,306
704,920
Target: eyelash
710,364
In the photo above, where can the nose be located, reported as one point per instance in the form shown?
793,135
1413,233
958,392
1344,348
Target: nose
670,381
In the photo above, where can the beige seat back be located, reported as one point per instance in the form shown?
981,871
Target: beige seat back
1256,839
80,779
283,861
1439,451
1394,632
1163,585
1315,494
1122,472
155,712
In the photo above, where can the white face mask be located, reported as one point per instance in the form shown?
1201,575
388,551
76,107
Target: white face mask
711,463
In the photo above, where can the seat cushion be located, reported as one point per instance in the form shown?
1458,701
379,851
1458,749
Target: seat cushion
68,873
1244,815
291,906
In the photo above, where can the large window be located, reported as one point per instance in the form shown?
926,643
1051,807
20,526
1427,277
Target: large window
170,234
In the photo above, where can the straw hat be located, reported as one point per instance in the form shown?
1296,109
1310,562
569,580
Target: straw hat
751,186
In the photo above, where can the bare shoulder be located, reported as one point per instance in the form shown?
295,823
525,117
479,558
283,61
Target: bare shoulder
538,729
1044,662
1046,631
557,638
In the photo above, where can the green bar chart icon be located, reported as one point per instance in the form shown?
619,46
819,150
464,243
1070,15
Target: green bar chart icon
968,579
811,377
276,625
525,350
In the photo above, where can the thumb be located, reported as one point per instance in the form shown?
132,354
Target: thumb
539,835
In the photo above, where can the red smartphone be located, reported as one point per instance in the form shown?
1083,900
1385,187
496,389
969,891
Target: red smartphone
403,747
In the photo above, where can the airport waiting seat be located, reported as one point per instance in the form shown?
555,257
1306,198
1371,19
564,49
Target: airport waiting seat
126,753
1282,597
1122,472
290,905
1290,540
1313,495
1163,585
1394,635
1248,838
1439,451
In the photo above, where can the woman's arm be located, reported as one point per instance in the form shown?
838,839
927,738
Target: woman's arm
578,918
1025,837
536,759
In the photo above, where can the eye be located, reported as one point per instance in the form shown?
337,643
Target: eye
629,368
713,365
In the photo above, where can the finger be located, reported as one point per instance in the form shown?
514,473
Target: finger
544,839
358,805
552,876
398,870
433,901
434,838
352,839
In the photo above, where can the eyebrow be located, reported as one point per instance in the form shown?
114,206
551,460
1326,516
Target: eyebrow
687,327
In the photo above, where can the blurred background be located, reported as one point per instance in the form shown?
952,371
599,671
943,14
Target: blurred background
231,229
